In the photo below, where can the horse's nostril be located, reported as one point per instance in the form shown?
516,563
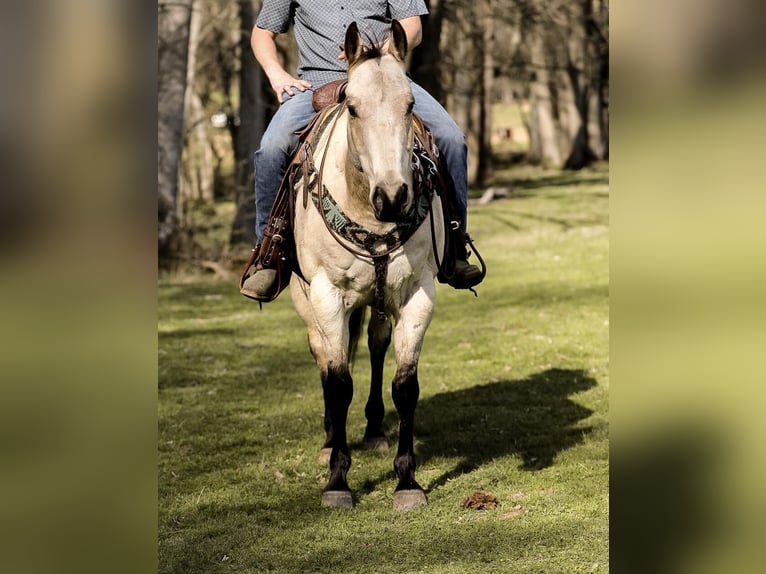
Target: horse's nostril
378,198
389,206
401,195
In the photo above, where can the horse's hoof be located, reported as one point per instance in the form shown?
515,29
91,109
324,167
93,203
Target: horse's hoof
376,443
324,455
337,499
409,499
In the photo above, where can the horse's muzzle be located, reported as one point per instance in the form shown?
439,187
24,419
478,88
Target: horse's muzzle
390,209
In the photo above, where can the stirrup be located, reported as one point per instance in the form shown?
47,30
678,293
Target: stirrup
469,277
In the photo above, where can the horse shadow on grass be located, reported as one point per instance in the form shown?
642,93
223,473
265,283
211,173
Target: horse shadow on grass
533,418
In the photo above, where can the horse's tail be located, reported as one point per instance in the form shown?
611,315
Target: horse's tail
355,323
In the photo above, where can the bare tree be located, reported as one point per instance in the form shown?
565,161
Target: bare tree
198,176
543,99
174,19
461,67
597,30
486,19
254,110
562,60
425,65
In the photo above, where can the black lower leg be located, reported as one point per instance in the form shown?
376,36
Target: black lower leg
338,392
327,426
378,340
405,394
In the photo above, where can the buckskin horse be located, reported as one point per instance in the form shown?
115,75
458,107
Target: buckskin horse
368,238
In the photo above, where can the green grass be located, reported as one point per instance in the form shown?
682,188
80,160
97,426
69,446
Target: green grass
514,401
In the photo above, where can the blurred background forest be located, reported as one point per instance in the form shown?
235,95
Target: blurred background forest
527,81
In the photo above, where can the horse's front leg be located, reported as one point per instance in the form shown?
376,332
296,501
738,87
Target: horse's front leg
332,320
302,301
378,340
412,322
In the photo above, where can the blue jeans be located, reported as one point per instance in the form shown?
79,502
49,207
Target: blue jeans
279,143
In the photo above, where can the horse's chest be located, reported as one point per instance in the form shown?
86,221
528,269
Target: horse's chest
359,279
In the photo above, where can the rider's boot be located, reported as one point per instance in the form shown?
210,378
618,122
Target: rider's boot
261,283
465,275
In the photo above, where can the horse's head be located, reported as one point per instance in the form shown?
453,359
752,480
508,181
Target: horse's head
380,130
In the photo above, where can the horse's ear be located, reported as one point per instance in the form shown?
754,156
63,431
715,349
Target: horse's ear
397,41
353,46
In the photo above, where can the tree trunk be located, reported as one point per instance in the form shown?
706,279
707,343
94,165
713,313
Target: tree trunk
254,110
532,123
173,34
425,65
198,182
596,138
578,67
197,159
579,153
484,170
596,26
464,69
542,102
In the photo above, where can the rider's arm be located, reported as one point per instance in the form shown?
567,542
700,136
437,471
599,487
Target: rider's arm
265,50
413,30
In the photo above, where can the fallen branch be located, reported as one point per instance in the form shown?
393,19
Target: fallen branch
218,269
492,193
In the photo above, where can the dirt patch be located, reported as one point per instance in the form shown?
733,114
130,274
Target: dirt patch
480,500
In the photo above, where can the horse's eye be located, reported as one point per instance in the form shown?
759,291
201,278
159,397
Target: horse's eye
352,111
409,107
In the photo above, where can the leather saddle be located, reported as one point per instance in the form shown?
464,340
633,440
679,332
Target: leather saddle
331,93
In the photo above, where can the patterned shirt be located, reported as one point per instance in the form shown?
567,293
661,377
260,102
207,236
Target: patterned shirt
320,29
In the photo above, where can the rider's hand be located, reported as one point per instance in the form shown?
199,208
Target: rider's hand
282,83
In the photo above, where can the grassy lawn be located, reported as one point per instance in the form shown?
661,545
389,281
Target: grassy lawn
514,402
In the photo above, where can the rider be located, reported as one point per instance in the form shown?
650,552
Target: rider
320,29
